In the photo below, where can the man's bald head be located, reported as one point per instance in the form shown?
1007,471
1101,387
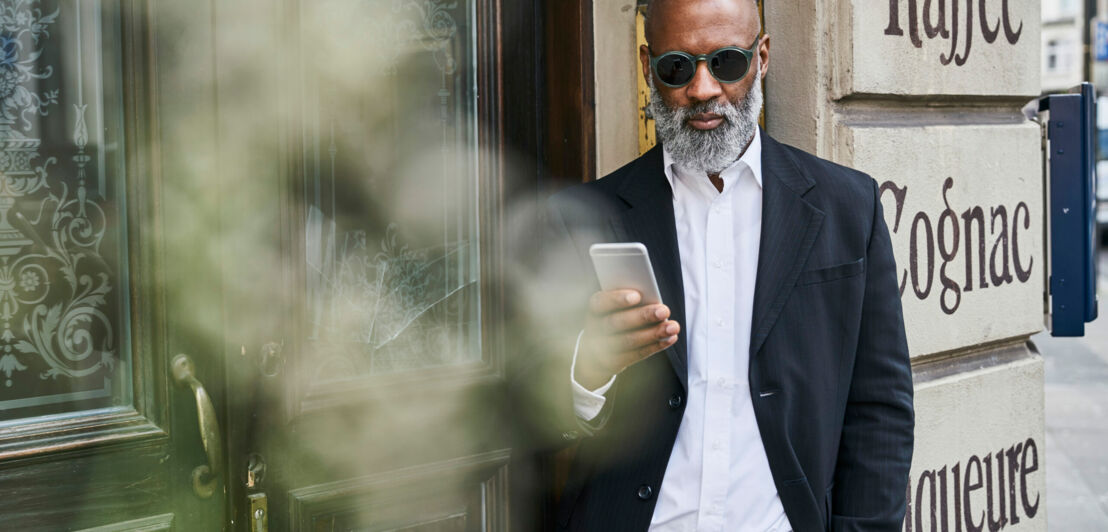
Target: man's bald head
705,123
658,10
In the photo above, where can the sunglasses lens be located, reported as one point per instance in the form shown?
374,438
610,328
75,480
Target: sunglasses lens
729,65
674,69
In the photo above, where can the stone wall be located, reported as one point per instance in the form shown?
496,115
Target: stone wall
928,103
616,56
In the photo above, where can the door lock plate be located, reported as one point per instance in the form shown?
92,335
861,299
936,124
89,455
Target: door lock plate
259,512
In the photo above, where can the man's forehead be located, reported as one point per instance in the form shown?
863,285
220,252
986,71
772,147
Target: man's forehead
707,22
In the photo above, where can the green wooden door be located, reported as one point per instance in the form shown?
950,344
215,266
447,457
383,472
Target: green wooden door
105,276
365,168
307,199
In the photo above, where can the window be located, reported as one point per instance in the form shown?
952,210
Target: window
64,337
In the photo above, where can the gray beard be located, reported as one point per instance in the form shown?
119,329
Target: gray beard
710,151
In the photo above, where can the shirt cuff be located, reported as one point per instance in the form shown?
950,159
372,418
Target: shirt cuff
586,404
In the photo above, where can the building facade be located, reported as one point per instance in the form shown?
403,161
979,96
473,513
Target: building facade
255,255
1064,23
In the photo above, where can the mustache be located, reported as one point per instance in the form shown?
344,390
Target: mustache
721,109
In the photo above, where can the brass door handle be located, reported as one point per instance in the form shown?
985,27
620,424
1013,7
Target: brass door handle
205,478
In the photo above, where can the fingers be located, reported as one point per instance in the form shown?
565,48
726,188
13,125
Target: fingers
622,310
607,356
633,340
636,318
649,349
628,358
620,332
629,346
604,302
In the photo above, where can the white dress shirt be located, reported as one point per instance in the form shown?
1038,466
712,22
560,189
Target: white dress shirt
718,476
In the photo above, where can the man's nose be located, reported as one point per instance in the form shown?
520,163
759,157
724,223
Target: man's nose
703,86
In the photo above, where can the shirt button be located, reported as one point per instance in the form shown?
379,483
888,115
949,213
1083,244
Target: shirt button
722,382
719,322
645,492
675,401
715,445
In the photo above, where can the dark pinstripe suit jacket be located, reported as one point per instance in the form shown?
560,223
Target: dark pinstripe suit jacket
829,371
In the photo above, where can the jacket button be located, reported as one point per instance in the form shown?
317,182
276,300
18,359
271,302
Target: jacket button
675,400
645,492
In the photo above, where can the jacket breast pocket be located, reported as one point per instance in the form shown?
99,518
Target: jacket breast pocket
832,273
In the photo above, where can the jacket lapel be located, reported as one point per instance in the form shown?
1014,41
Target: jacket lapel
789,228
650,221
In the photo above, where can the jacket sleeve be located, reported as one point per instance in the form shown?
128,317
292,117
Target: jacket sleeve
875,450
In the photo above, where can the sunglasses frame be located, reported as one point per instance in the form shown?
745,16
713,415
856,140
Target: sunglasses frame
696,59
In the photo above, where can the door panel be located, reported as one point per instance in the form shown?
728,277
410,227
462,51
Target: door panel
156,523
75,492
92,431
466,494
370,385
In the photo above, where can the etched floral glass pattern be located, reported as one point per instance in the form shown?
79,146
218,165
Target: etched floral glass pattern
64,343
392,248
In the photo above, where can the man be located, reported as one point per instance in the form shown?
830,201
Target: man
772,390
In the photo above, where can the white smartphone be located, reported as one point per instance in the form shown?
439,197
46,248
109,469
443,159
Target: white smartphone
624,265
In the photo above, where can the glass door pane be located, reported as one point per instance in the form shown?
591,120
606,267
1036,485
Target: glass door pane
391,185
64,336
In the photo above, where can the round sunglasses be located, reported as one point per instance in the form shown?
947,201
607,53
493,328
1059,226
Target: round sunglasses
730,64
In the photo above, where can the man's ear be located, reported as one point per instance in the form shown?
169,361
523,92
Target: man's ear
644,58
763,55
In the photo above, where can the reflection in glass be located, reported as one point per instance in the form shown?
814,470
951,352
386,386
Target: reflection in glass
391,192
63,306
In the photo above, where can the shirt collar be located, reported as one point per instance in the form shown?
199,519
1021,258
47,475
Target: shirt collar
751,158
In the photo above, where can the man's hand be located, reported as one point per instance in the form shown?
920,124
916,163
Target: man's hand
618,333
